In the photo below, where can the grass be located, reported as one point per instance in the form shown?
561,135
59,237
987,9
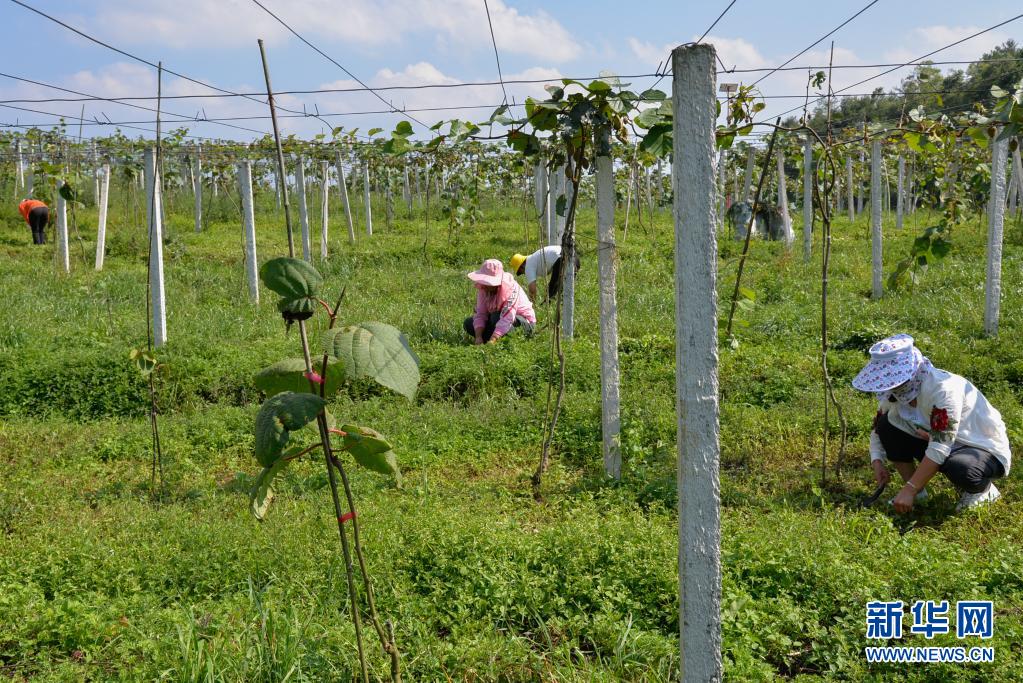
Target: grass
100,582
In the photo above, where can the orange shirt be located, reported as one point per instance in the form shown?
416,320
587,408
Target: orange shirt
26,206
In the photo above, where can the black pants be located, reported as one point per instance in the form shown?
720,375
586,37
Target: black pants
492,319
969,469
554,286
38,218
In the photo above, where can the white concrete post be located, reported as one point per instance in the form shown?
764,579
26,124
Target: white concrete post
303,209
366,193
747,179
1017,174
1012,189
63,254
197,186
388,199
859,186
249,228
722,186
567,238
324,209
158,299
807,198
900,191
541,199
557,188
20,163
995,225
877,265
101,223
850,200
407,189
95,175
342,188
610,398
699,560
783,201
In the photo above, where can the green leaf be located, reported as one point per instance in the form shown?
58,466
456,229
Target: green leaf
68,193
561,206
655,95
262,494
371,450
403,129
658,140
373,131
144,360
747,293
378,351
998,92
289,375
291,278
278,417
940,247
598,86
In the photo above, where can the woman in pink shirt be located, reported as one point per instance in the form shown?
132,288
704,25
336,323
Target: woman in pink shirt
501,304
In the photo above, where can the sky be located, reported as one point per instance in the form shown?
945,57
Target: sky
417,42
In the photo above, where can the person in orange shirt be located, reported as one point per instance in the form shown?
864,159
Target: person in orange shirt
37,215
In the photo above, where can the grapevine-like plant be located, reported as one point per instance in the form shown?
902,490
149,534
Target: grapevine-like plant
297,397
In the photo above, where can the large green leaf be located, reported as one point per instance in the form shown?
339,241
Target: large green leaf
262,493
289,375
278,417
378,351
291,278
371,450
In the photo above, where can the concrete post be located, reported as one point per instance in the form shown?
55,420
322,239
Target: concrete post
324,210
783,201
158,301
366,195
807,198
101,223
303,209
610,399
197,186
995,226
342,188
877,265
696,360
63,254
747,179
249,229
900,192
850,201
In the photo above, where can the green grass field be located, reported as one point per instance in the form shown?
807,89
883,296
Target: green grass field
100,581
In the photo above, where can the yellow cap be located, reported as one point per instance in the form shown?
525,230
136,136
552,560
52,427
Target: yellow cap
516,262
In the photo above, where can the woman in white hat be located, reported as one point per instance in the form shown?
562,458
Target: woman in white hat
935,417
501,304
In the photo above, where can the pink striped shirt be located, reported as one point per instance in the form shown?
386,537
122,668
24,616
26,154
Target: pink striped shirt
511,300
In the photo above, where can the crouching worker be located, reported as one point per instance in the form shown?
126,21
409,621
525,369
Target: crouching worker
37,215
934,418
539,264
501,304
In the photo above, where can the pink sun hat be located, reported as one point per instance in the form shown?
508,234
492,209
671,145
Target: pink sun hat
892,362
489,274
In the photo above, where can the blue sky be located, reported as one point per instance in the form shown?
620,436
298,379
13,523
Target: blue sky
408,42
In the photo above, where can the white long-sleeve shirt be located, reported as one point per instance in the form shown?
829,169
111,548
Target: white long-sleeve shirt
972,420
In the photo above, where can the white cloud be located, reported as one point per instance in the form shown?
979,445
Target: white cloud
732,51
363,23
928,38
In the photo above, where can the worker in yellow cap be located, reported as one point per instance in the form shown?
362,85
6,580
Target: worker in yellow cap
543,261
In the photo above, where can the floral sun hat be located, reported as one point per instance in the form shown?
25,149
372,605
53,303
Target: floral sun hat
893,361
490,273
